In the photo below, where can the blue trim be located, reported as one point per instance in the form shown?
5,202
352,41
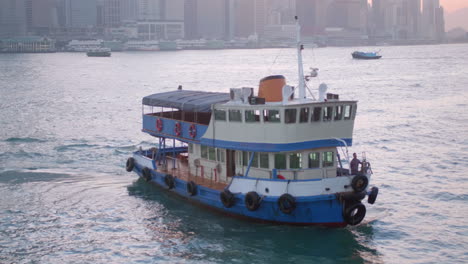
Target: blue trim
149,126
274,179
268,147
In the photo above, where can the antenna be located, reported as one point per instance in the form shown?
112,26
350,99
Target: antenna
300,47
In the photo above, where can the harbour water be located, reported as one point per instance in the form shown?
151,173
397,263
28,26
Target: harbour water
69,122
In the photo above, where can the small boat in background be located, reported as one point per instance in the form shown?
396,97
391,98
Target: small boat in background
366,55
101,52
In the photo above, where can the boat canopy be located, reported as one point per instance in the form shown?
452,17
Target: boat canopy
194,101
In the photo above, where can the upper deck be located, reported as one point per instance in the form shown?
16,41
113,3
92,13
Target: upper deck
212,119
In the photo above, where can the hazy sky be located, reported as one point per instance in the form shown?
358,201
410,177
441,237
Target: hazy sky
452,5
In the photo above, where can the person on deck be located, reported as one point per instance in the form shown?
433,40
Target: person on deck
355,164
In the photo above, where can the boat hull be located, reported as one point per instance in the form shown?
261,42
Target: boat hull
360,57
324,210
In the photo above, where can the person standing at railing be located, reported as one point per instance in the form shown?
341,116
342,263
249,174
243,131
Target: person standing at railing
355,164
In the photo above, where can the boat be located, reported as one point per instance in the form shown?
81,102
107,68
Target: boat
142,45
101,52
271,156
366,55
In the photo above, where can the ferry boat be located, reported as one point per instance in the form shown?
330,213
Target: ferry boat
142,45
270,157
366,55
101,52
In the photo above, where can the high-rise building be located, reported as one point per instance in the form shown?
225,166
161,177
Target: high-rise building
190,19
111,13
211,21
433,20
306,11
81,14
128,10
244,15
12,18
149,10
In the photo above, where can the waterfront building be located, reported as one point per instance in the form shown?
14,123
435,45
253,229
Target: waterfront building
27,45
433,20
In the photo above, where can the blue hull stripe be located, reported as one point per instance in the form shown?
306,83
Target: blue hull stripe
314,210
268,147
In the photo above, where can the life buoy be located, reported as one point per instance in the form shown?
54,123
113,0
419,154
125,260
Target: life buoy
287,203
359,183
373,195
252,201
146,173
169,181
192,188
354,213
177,129
159,124
130,164
227,198
193,131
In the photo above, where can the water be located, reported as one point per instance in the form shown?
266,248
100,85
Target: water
69,122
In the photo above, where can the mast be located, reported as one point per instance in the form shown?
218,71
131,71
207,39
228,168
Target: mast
300,47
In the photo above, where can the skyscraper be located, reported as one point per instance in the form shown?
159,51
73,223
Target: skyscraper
433,20
12,18
82,13
190,19
111,13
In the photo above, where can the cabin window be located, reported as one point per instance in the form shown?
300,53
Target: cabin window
338,112
220,115
246,158
290,116
347,112
304,115
235,116
190,148
252,116
327,159
272,116
264,161
327,113
211,153
204,152
220,155
295,160
280,161
314,160
316,114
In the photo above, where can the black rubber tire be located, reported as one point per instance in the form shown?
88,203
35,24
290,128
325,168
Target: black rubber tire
287,203
169,181
373,195
359,183
191,188
353,196
146,174
355,213
130,164
227,198
252,201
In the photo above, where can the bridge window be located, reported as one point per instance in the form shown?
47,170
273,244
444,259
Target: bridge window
220,115
347,112
314,160
264,161
246,158
204,152
280,161
328,159
211,153
295,161
304,115
316,114
252,116
338,112
327,113
235,116
272,116
220,155
290,116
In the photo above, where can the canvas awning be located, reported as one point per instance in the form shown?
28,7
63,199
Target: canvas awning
185,100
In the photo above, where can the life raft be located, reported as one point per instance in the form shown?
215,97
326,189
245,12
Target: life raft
193,131
159,124
177,129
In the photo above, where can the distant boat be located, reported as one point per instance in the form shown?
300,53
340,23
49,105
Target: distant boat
102,52
366,55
